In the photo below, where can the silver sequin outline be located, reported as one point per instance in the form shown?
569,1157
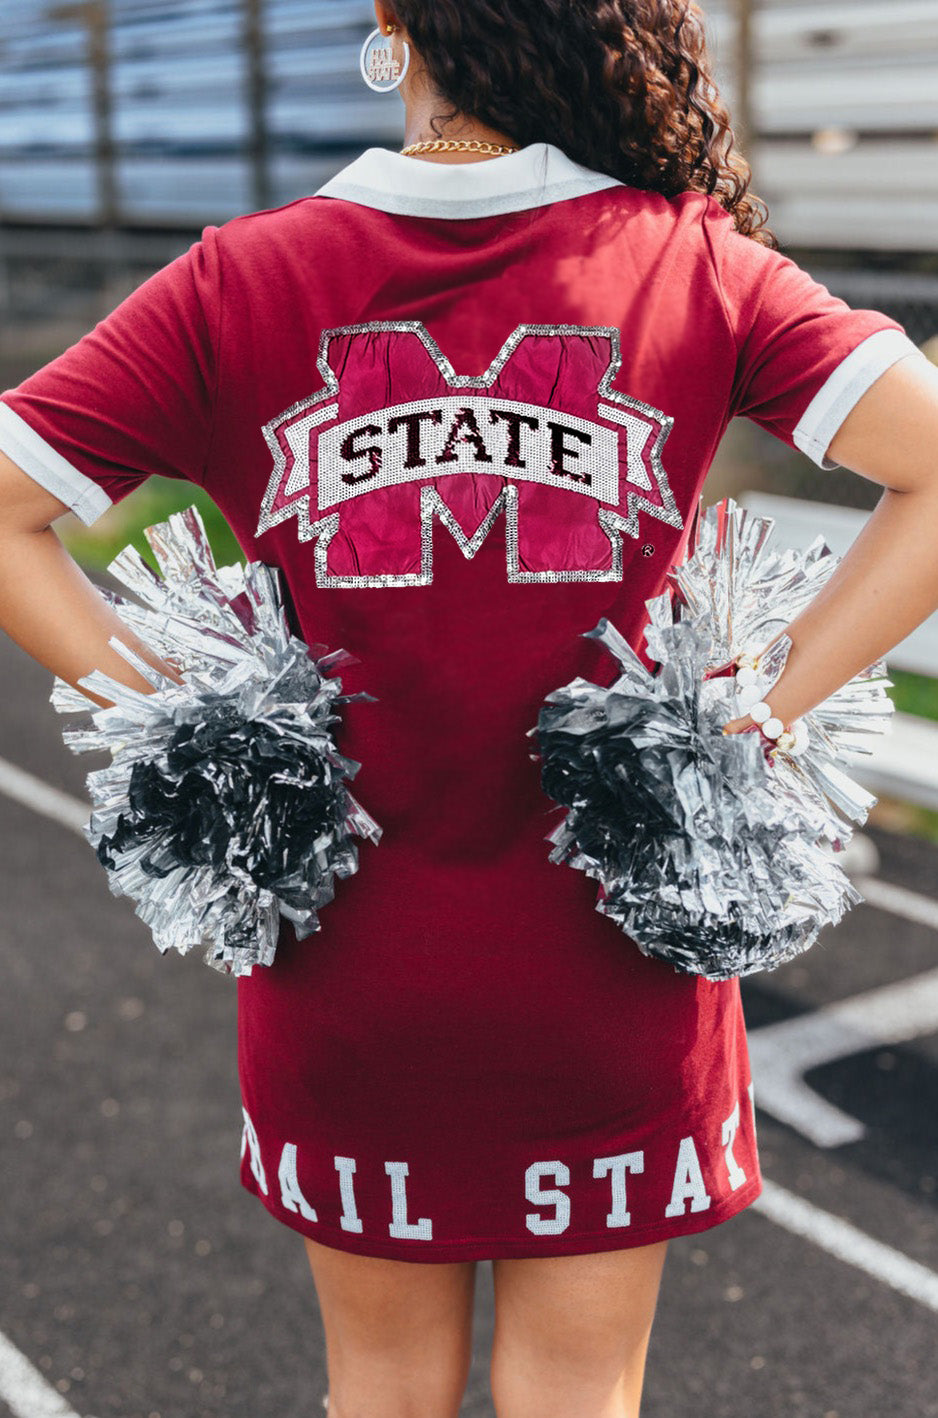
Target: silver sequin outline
613,524
394,472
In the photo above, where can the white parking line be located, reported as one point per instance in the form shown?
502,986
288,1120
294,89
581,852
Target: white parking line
839,1238
898,901
29,1396
23,1389
32,792
781,1054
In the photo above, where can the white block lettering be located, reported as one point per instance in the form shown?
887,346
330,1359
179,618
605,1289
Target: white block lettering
736,1174
249,1140
291,1196
421,1230
549,1196
688,1182
617,1167
349,1220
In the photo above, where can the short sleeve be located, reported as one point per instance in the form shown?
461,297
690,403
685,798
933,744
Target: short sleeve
133,397
804,357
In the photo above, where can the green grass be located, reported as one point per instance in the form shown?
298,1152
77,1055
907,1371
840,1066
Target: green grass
911,694
95,546
914,694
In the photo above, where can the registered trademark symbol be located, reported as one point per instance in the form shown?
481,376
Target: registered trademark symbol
648,549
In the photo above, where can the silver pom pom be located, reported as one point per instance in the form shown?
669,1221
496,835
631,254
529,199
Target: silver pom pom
707,855
225,804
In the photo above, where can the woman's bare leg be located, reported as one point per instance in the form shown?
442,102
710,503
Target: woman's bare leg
398,1333
572,1332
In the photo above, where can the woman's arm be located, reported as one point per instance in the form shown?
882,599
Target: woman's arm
887,583
47,603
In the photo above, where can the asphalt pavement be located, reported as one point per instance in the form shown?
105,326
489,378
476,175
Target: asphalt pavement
138,1278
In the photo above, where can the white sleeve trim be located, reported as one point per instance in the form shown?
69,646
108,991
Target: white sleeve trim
46,466
844,387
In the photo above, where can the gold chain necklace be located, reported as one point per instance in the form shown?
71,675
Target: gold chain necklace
467,145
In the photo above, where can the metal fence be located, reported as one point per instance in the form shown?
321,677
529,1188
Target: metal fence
127,125
183,112
158,112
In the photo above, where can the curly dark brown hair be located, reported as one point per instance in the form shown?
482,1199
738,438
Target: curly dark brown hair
622,86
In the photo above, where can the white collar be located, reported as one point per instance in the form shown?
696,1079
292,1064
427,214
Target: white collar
533,176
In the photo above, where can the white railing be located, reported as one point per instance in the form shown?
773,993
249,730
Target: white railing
904,761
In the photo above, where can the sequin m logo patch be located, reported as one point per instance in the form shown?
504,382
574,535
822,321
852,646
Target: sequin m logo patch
368,462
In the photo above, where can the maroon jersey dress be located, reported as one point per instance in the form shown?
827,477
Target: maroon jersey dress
467,410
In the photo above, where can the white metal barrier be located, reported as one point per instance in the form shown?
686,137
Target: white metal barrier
904,762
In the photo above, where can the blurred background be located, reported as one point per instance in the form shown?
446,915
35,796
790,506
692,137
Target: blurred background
135,1279
126,126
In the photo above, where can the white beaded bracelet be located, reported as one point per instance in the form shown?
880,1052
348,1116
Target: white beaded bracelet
761,713
793,740
750,685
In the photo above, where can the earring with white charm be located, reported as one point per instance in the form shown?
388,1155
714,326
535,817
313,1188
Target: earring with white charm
380,69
